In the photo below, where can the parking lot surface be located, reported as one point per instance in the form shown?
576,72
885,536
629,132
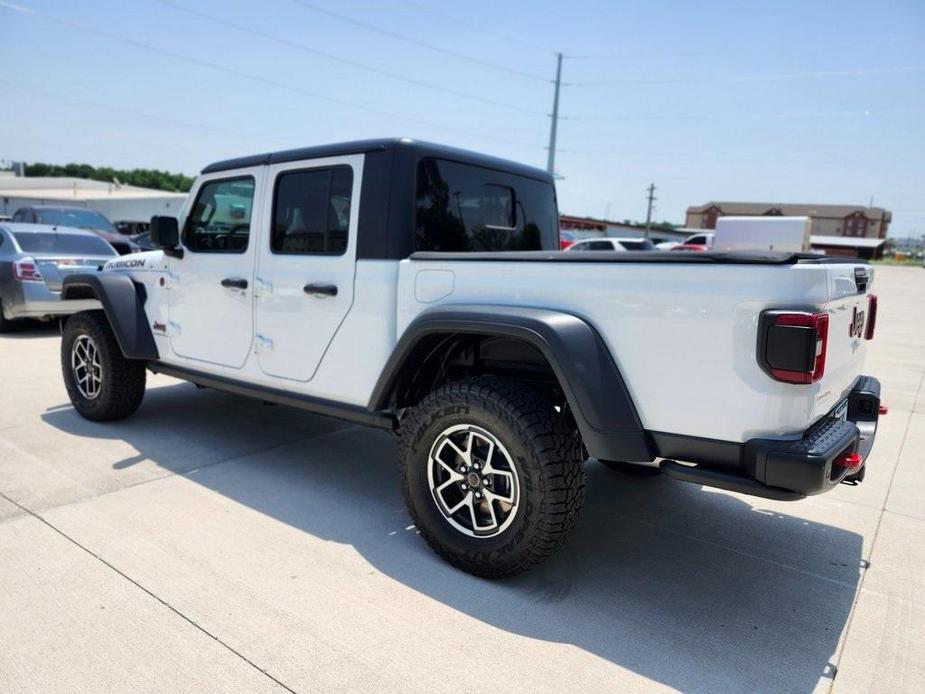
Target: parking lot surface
213,543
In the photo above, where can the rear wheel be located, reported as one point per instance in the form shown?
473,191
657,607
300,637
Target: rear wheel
102,384
492,475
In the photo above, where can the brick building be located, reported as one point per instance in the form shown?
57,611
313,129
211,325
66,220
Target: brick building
826,220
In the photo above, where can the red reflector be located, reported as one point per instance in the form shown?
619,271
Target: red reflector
852,461
871,316
884,409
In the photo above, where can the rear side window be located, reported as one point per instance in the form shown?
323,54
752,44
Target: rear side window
311,211
65,243
220,221
461,207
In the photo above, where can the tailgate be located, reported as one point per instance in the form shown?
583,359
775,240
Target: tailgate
850,310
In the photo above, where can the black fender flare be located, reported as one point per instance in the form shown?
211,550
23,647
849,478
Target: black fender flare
596,392
123,303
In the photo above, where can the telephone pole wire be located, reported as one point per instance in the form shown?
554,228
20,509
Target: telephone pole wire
551,159
652,199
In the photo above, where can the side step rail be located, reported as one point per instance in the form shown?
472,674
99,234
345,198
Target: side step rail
728,481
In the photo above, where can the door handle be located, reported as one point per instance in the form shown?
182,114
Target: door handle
234,283
320,289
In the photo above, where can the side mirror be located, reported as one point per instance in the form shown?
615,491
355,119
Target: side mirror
165,234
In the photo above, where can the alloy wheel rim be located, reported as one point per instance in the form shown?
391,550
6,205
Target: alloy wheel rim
473,481
87,367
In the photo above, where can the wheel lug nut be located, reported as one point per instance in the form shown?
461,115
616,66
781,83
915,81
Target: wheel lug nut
463,468
486,481
478,495
464,486
476,466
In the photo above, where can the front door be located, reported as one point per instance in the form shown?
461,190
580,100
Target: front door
211,308
305,272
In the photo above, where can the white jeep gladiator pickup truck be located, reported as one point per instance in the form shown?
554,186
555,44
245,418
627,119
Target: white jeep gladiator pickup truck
416,288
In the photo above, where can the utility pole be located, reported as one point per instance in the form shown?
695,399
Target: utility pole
551,159
649,208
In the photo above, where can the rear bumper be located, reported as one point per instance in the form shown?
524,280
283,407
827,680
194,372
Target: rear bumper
795,469
36,300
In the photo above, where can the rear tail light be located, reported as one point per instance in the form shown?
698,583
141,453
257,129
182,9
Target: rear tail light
26,270
871,316
792,345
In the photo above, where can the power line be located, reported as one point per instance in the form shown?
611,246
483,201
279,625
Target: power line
417,42
346,61
856,72
248,76
481,29
783,115
67,98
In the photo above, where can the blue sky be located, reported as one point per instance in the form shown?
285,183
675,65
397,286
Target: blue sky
780,101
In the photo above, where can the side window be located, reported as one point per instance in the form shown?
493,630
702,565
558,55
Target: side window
311,211
220,221
462,207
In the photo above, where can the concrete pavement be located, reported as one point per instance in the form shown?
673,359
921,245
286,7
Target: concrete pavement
211,543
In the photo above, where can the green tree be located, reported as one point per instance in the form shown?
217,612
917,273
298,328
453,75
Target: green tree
145,178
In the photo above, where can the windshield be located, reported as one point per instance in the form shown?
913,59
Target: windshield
63,243
80,219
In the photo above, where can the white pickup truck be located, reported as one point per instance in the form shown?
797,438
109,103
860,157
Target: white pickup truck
416,288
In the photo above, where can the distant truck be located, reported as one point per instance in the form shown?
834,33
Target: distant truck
785,234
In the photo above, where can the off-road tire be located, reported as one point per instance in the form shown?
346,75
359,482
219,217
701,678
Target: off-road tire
630,468
123,380
544,449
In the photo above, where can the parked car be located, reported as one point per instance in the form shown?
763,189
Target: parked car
34,261
598,244
76,218
143,241
566,239
129,228
667,245
613,244
424,297
697,242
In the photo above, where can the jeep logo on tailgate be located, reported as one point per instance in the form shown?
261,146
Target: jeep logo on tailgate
856,327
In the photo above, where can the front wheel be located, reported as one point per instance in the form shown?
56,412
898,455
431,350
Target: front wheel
101,383
492,475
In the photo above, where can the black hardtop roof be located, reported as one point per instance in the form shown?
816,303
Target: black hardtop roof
420,149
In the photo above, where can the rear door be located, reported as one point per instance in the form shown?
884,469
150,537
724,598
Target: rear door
304,284
211,308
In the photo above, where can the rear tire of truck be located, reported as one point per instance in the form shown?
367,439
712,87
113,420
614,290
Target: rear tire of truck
631,468
492,475
102,384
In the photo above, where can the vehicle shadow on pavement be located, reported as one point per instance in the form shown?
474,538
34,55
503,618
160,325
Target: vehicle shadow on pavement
689,587
31,329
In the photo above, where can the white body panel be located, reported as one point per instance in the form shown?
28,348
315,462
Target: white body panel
787,234
210,323
288,347
683,335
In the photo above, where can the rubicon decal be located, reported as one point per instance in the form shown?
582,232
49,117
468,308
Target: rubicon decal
132,264
159,328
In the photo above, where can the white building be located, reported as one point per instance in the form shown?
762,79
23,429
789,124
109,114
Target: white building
116,202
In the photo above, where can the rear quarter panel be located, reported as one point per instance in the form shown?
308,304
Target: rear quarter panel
683,336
